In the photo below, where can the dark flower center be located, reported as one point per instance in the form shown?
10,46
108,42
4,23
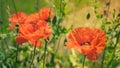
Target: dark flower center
85,43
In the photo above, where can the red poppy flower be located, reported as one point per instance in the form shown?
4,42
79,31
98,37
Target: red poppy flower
45,13
33,32
88,41
32,18
16,18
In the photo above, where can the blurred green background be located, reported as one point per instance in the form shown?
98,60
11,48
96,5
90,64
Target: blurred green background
76,10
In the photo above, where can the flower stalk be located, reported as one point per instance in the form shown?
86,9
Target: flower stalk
103,57
44,54
83,63
115,47
33,55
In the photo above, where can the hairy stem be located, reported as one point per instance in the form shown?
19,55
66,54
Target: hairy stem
103,58
83,62
33,55
115,47
44,54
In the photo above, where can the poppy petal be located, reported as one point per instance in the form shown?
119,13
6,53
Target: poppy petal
20,40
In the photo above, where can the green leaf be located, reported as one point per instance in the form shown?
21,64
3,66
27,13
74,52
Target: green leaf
107,22
54,20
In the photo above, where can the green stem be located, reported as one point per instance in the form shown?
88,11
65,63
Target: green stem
16,56
108,9
84,57
33,55
116,26
16,30
14,6
103,57
115,47
57,48
1,12
36,5
44,54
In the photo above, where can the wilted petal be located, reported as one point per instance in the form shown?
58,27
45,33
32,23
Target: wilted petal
20,40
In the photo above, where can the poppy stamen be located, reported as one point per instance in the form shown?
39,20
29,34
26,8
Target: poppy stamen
85,43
